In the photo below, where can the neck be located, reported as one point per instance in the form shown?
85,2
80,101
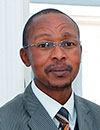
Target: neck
61,95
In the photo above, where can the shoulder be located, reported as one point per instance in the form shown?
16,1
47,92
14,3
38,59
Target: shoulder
87,111
83,101
14,103
12,113
84,105
13,106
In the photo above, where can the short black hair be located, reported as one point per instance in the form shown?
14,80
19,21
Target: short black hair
31,19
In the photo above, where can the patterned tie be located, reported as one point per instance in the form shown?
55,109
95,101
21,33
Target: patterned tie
62,117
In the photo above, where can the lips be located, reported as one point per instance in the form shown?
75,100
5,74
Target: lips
59,73
59,70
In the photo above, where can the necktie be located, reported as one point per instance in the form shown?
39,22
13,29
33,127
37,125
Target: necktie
62,117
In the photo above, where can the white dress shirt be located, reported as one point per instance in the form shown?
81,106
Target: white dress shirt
52,106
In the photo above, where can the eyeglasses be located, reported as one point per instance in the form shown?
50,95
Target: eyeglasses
66,44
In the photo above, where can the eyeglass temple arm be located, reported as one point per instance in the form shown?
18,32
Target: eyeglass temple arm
29,46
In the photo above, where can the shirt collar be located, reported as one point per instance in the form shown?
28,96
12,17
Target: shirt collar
52,106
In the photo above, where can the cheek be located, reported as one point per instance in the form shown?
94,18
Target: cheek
38,63
76,63
75,58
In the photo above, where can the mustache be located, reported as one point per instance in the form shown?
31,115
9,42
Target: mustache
58,67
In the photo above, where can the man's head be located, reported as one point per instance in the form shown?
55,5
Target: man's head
54,65
31,21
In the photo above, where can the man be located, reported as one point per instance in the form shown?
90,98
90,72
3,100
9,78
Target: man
51,46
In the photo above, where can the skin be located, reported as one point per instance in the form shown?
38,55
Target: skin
47,65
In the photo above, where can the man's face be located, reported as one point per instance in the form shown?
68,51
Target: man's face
57,67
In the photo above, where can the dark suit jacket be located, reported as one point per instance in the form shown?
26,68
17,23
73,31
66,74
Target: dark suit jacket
25,112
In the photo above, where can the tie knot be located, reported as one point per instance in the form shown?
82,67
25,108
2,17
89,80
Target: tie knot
63,112
62,116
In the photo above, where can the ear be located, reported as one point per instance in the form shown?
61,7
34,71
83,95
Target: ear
80,53
81,48
24,57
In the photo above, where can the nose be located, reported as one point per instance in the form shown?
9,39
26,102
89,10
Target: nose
58,54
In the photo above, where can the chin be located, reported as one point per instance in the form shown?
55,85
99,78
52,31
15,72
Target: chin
59,86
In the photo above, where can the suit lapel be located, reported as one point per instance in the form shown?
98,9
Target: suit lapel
85,120
39,118
41,121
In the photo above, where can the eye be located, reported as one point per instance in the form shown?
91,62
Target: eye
68,44
44,44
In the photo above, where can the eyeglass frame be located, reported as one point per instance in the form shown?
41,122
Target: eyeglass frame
53,46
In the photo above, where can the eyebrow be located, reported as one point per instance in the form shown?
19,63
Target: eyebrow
67,34
41,35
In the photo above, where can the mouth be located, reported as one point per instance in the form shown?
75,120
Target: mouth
59,71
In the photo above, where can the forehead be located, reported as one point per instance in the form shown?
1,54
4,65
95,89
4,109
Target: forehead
52,23
52,18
